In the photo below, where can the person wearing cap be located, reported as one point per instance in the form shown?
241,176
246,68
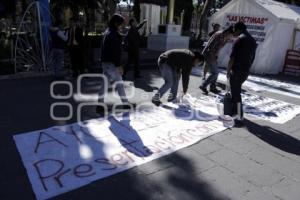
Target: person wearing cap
173,65
210,53
241,60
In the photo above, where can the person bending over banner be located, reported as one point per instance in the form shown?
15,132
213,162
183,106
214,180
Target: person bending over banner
210,53
241,59
172,64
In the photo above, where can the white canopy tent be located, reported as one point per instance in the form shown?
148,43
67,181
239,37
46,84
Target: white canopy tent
271,23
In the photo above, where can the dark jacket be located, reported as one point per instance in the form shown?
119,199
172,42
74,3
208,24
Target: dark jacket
243,52
212,33
112,47
181,60
133,37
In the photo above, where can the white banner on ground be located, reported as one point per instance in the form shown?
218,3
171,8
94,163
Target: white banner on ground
259,84
255,107
269,109
60,159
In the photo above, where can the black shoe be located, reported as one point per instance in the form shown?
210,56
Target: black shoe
127,106
156,102
204,90
171,98
100,110
214,90
238,123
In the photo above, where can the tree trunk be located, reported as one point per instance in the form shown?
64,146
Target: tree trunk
203,17
187,18
136,10
109,7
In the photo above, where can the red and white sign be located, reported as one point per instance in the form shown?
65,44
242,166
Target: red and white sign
258,26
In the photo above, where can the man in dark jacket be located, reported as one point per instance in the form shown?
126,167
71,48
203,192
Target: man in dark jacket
133,42
111,61
173,64
241,59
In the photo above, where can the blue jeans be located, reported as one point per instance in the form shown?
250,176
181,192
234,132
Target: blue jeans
171,78
213,77
113,75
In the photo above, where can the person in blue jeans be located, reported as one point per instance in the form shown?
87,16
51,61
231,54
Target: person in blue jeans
172,65
111,61
210,53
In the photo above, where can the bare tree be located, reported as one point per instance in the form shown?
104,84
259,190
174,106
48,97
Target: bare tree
136,9
203,17
109,7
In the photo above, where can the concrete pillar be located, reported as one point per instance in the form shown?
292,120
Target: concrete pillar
182,17
171,7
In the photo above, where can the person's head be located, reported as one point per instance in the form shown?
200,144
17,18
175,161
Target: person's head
216,27
132,22
198,58
116,22
239,28
228,32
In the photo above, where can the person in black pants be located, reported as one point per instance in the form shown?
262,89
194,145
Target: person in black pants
241,59
76,46
133,42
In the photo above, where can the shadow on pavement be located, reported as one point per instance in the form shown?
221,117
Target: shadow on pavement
144,83
188,183
128,136
274,137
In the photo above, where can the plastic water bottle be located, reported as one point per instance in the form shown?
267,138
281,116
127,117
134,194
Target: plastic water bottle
227,120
